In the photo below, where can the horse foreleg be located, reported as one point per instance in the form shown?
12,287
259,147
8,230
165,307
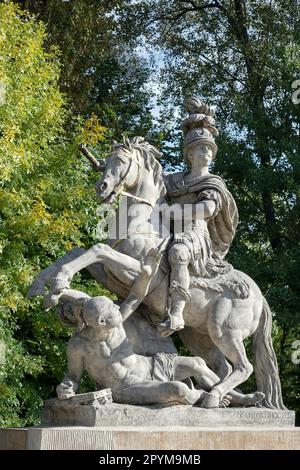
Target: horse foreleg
38,287
127,268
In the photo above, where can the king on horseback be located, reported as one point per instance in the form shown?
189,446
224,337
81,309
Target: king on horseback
209,216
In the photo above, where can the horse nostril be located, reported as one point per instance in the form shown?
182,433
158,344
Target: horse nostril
103,186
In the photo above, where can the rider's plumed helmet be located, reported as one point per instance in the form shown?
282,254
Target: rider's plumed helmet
198,127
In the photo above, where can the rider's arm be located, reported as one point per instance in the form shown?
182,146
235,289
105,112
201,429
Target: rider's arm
207,204
200,211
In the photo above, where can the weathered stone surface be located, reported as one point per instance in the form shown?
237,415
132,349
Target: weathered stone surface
60,413
155,438
13,438
100,397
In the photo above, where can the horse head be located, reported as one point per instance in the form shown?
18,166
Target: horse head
133,169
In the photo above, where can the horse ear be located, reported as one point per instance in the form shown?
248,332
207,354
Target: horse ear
116,145
158,154
101,164
155,153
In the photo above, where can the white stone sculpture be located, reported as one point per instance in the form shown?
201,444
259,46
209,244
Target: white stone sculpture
191,289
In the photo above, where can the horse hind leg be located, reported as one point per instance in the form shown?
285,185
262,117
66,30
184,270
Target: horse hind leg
232,346
200,344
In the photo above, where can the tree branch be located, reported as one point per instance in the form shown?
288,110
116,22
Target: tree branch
193,8
196,7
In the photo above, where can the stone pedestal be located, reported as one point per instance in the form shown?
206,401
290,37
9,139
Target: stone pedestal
151,438
69,413
85,424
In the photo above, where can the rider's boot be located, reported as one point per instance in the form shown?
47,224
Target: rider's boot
179,257
175,322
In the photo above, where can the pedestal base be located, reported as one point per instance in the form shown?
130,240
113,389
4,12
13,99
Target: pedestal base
67,413
84,424
150,438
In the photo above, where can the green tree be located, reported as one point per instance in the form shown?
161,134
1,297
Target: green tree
102,71
46,208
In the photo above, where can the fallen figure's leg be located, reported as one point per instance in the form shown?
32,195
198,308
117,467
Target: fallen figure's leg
163,393
196,367
173,390
158,393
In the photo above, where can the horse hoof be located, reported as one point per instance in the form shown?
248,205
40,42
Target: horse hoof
210,400
258,398
225,401
37,288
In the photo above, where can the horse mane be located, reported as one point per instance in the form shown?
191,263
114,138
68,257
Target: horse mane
150,156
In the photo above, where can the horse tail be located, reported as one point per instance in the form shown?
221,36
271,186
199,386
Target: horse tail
265,362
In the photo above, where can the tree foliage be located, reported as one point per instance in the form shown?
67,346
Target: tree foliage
102,71
46,208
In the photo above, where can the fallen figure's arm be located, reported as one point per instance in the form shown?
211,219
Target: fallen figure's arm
140,287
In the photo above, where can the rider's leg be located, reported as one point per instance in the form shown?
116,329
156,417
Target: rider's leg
179,258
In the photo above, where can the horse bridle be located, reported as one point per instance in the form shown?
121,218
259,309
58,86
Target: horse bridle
119,188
